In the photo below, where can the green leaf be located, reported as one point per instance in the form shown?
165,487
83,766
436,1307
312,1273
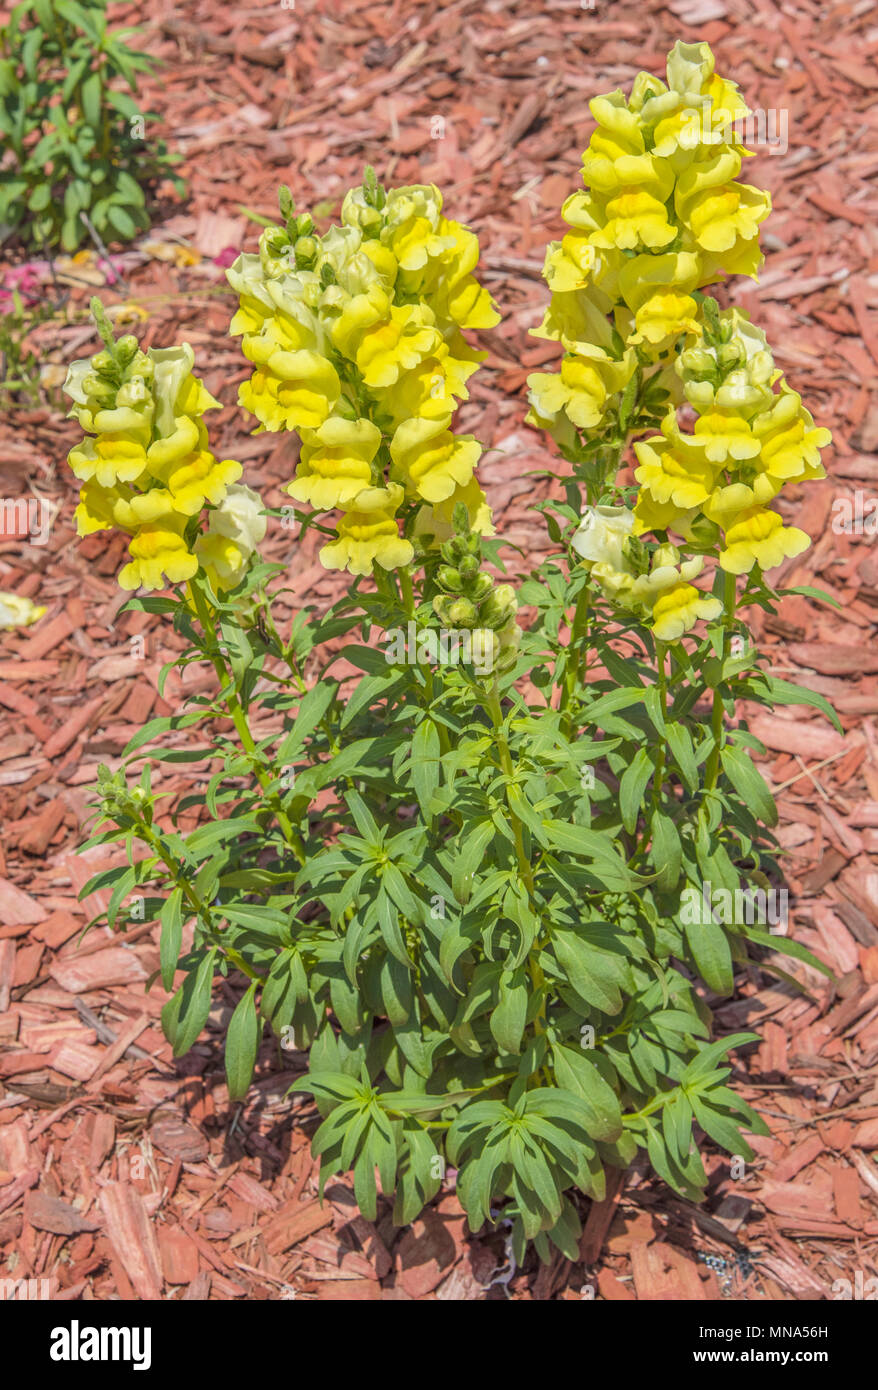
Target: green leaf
425,765
666,852
785,693
171,919
508,1018
632,787
575,1072
90,100
680,744
185,1014
749,783
711,953
242,1044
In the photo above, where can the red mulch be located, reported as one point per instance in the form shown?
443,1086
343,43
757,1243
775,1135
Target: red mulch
123,1173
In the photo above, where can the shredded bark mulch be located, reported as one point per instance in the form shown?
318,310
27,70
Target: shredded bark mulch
124,1173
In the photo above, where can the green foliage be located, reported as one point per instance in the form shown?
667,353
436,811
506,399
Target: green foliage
475,909
20,382
73,137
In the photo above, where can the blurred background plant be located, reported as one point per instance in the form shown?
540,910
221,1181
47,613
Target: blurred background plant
72,138
25,379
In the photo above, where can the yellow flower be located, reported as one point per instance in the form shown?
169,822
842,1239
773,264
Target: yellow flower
578,320
616,153
436,524
185,436
650,515
657,290
200,478
222,559
582,388
385,339
158,549
16,611
235,529
569,263
109,459
759,537
678,609
368,535
433,387
665,572
673,474
96,508
335,463
789,442
635,218
723,216
431,460
295,390
413,230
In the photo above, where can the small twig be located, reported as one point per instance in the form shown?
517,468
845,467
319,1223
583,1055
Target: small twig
95,235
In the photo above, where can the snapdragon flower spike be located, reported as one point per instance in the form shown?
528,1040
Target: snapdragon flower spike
469,600
356,338
663,215
145,461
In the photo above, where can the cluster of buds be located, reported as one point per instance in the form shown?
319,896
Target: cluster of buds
471,602
145,462
356,340
121,803
663,216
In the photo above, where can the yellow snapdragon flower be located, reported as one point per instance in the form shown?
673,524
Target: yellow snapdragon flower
678,609
435,524
363,355
234,530
758,536
430,460
159,553
669,472
335,463
582,387
368,534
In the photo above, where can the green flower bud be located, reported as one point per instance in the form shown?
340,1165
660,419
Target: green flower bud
450,579
127,346
133,393
462,613
469,567
306,249
730,354
481,588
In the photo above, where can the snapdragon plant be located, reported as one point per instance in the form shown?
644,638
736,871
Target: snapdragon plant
491,884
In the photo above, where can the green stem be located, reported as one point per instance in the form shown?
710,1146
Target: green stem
239,718
662,683
199,908
576,658
408,601
524,866
711,775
